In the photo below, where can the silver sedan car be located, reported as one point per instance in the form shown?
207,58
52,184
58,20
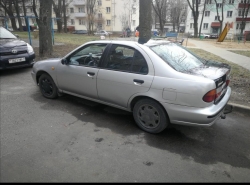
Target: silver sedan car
161,83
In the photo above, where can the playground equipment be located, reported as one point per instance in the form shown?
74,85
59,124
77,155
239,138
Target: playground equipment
224,32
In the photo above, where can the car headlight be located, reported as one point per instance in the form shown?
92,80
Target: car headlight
30,49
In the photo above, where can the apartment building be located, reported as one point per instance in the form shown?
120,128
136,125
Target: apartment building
233,10
110,15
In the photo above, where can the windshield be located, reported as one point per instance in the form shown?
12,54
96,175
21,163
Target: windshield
177,57
5,34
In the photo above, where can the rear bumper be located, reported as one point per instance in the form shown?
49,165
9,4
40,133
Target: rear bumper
184,115
4,61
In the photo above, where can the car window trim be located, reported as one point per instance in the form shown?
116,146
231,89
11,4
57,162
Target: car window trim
68,57
106,56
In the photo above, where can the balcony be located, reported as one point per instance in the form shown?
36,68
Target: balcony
243,19
79,2
243,5
80,14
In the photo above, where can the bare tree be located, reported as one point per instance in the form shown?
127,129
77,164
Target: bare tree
244,13
177,10
194,6
91,15
203,12
25,11
160,7
16,4
44,23
221,7
57,7
7,5
145,21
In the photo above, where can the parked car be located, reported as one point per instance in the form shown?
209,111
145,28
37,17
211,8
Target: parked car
14,53
214,36
159,82
102,32
206,36
80,32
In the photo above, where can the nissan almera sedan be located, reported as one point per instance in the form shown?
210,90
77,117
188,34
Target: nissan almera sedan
160,82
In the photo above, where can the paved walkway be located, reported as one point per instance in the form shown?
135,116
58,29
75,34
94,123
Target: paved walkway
223,53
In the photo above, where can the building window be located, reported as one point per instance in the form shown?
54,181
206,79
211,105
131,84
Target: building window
216,18
72,22
81,9
81,22
205,26
207,13
99,2
238,26
231,1
133,22
208,1
229,13
71,10
108,9
108,22
219,5
134,10
99,25
99,15
191,25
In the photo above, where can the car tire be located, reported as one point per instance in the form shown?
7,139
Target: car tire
48,87
150,116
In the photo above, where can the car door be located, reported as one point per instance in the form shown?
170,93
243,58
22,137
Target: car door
124,73
78,76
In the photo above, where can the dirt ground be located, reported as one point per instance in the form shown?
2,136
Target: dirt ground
227,44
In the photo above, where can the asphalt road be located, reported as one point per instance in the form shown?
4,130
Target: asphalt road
74,140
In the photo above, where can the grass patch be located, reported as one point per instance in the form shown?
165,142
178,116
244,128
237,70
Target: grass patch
240,52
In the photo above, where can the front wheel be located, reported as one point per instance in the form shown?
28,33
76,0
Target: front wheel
150,116
47,86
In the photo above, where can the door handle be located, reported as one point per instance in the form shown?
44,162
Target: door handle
90,74
138,81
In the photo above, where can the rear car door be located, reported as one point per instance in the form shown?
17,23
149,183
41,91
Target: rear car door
124,73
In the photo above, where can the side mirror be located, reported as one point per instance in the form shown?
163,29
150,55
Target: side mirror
64,61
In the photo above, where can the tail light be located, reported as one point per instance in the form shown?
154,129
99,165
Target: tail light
227,82
210,96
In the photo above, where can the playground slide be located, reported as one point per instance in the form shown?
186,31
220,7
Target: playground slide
224,33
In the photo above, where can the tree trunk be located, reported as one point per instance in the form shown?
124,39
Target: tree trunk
145,21
24,13
16,5
64,17
44,23
58,12
204,9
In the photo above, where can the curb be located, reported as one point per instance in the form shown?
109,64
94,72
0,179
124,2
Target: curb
240,108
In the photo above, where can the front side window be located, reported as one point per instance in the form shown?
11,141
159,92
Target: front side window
88,56
126,59
177,57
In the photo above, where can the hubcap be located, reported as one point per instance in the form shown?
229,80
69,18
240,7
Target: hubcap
148,116
47,87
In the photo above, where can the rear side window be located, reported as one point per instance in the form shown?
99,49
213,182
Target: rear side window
126,59
177,57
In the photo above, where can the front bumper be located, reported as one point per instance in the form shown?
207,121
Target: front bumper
4,61
184,115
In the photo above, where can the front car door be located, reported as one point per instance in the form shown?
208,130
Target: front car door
78,77
124,73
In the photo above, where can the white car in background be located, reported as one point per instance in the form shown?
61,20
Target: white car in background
102,32
206,36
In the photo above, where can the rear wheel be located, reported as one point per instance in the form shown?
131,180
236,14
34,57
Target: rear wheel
150,116
47,86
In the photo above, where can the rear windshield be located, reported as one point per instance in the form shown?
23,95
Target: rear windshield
177,57
5,34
